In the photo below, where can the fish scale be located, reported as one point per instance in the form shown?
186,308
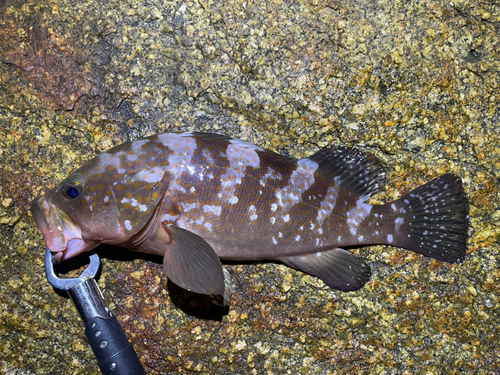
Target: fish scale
195,198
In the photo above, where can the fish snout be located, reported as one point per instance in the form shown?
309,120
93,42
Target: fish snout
37,210
62,235
49,223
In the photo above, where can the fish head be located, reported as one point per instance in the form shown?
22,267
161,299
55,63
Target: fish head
108,200
70,222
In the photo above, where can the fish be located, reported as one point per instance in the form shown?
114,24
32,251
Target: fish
198,198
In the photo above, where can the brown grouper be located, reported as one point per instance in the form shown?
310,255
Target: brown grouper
195,198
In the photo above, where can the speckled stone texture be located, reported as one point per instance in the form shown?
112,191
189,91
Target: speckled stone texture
416,83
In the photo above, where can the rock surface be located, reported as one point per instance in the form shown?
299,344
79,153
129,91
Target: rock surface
414,82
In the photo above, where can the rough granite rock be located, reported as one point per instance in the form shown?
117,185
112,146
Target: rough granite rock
417,83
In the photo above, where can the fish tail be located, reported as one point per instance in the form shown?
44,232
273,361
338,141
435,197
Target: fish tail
435,220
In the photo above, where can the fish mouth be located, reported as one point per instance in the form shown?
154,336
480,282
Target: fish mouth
62,235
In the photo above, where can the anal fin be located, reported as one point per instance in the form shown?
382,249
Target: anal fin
338,268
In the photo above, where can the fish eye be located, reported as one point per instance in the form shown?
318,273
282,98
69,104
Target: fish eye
72,188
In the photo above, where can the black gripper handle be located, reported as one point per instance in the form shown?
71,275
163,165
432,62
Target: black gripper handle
115,355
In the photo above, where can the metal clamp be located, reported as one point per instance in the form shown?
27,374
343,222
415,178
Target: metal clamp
115,355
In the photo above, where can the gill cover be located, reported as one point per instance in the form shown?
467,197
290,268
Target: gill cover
89,204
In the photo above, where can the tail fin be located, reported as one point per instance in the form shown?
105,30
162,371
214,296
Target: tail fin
436,220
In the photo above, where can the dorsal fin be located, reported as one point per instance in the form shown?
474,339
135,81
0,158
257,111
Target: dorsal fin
358,172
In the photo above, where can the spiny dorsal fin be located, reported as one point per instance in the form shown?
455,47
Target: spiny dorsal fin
358,172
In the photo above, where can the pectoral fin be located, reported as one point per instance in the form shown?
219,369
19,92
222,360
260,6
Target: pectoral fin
338,268
224,300
191,263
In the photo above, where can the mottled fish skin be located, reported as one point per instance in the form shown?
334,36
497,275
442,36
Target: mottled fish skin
195,197
250,203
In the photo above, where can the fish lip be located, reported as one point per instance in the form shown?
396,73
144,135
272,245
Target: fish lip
37,212
57,257
49,224
75,247
62,235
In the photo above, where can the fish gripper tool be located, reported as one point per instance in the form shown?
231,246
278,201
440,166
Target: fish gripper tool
115,355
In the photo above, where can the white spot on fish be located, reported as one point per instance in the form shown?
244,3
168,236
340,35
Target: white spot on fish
106,199
192,190
308,165
321,216
241,155
177,141
225,182
318,254
270,174
169,218
393,206
297,238
128,226
327,204
389,238
300,180
280,235
286,218
398,223
179,188
360,238
208,226
186,207
106,160
273,220
253,213
274,241
273,207
183,145
357,214
245,145
134,203
137,145
151,175
216,210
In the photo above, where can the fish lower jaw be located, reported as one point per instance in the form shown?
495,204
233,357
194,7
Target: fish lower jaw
57,257
75,247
